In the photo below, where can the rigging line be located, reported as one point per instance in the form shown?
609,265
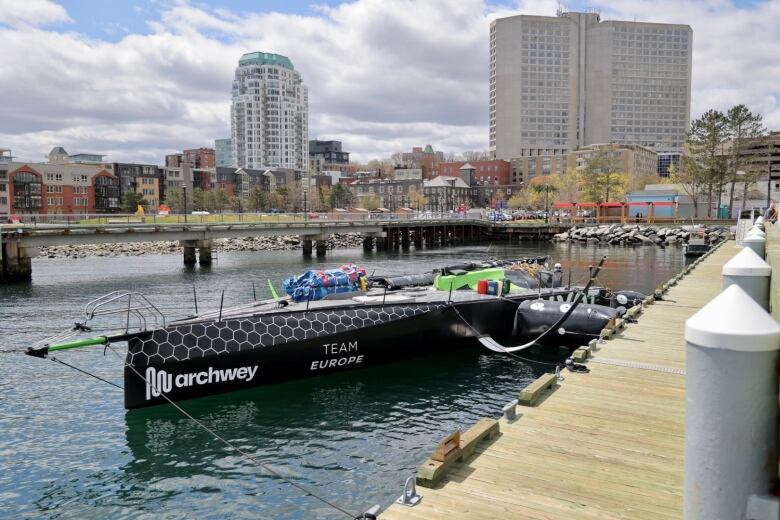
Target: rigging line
475,331
85,372
231,445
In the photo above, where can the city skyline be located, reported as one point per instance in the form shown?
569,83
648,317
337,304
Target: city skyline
382,78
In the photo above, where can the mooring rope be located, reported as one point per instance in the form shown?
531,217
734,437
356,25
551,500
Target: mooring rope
90,374
232,446
479,335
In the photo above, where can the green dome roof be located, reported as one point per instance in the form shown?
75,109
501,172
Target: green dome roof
265,58
429,149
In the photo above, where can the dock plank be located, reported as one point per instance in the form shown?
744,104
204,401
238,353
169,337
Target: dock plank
604,445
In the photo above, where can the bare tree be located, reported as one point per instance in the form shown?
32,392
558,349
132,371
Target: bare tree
742,125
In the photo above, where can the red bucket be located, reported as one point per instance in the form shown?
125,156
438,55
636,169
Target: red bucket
482,286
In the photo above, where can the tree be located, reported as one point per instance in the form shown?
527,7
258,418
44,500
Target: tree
742,124
482,155
132,200
259,200
705,141
417,200
341,196
321,198
370,201
221,200
280,197
692,176
174,199
542,192
384,167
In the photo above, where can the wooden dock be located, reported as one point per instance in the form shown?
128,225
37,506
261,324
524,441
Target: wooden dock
603,445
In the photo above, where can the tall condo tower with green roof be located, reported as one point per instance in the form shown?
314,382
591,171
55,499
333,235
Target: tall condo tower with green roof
269,114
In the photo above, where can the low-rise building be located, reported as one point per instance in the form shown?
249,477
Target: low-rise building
404,173
426,159
474,173
446,193
5,163
145,179
392,193
63,189
328,156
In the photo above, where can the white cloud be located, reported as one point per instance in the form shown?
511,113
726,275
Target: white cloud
24,13
382,76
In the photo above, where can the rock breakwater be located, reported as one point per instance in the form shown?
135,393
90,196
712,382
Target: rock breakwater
617,234
276,243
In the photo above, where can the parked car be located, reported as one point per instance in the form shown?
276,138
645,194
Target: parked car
313,215
276,210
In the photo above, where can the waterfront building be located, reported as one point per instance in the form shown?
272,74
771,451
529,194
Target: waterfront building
478,172
406,173
561,83
426,159
391,193
5,163
58,155
144,179
223,153
328,156
194,158
62,189
446,193
269,114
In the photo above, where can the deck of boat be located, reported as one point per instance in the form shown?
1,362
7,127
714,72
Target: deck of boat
603,445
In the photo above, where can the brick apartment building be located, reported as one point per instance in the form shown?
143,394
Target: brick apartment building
478,173
65,189
426,159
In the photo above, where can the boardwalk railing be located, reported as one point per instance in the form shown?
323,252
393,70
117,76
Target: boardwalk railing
732,387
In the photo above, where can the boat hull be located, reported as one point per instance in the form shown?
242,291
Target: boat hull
194,360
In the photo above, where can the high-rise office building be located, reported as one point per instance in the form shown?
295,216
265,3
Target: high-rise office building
269,114
563,82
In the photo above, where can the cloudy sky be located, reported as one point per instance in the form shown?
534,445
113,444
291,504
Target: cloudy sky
138,79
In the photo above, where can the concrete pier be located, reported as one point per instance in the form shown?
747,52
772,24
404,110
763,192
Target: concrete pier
204,252
368,243
16,261
322,247
189,247
306,245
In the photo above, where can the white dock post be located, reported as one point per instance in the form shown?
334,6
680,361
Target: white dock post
756,230
756,243
731,406
750,272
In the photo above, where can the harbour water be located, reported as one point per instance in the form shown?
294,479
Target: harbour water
69,450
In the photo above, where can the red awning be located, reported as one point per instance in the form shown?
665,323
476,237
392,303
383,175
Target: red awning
586,204
663,203
563,205
611,204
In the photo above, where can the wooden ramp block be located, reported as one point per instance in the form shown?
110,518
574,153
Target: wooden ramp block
531,393
581,354
433,470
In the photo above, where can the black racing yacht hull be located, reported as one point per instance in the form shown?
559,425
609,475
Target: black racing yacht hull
200,357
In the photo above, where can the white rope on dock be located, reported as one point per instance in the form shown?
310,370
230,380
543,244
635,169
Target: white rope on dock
641,366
